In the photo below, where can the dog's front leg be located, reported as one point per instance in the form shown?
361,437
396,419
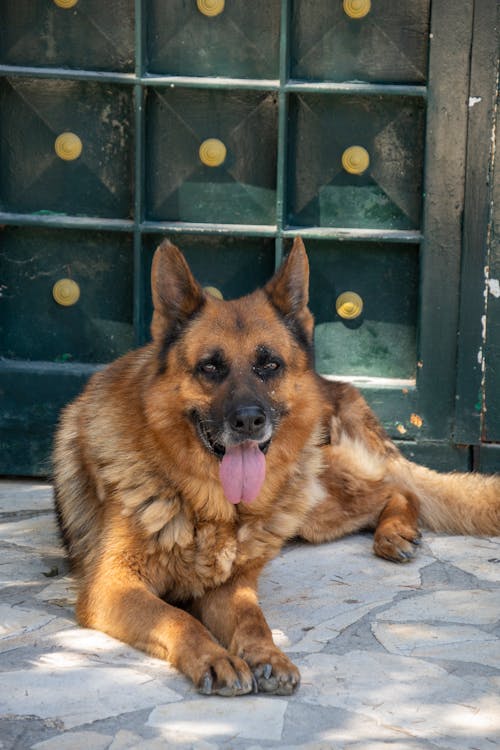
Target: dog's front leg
119,603
232,613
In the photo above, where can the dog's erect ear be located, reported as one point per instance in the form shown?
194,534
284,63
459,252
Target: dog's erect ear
176,293
289,287
288,290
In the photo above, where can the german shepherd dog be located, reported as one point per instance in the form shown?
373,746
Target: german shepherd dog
186,465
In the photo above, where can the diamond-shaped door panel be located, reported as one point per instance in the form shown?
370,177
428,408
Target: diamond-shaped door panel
211,156
88,34
356,161
381,41
65,147
237,38
66,295
364,299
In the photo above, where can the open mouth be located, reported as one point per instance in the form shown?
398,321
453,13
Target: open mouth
212,445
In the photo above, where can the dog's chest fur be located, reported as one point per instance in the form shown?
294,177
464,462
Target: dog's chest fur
187,552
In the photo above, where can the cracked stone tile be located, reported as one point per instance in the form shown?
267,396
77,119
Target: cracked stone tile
329,590
468,606
17,621
18,496
39,532
80,695
22,566
73,740
20,626
478,556
250,717
61,592
414,696
447,642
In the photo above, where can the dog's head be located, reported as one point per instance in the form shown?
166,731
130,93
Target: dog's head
234,375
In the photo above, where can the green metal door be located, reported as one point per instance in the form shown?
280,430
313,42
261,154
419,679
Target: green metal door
232,127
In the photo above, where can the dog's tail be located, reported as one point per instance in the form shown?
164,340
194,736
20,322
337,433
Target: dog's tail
455,503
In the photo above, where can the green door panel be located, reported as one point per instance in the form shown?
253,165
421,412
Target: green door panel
388,44
89,34
381,340
385,194
33,178
97,327
241,189
199,39
31,398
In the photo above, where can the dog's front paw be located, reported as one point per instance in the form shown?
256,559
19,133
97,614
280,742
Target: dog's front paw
397,542
226,675
272,670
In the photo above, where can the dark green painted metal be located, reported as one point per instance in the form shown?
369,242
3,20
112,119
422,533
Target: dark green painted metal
34,179
488,459
387,195
31,397
327,43
448,91
281,162
242,41
354,88
381,342
476,355
438,456
180,187
91,34
33,326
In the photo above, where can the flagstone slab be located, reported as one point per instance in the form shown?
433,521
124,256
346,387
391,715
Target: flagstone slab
472,606
447,642
76,695
419,698
478,556
250,717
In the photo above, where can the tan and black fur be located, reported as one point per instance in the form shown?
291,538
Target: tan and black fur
163,560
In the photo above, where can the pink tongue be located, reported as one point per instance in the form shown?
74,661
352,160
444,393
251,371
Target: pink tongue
242,472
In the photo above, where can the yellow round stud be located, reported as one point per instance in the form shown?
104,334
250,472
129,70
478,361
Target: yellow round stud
210,7
357,8
65,3
355,160
349,305
212,152
214,292
68,146
66,292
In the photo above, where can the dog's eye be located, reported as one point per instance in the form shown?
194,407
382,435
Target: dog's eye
214,368
267,368
208,368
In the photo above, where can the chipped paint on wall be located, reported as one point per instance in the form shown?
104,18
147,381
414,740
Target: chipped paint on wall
494,287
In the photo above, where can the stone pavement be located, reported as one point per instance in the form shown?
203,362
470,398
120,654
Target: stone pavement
400,656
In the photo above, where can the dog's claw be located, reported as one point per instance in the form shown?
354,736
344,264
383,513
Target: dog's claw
206,684
255,685
267,670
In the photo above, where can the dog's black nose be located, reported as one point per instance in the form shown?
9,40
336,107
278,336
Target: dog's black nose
249,421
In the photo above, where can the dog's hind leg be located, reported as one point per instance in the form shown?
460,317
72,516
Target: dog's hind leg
358,505
232,614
